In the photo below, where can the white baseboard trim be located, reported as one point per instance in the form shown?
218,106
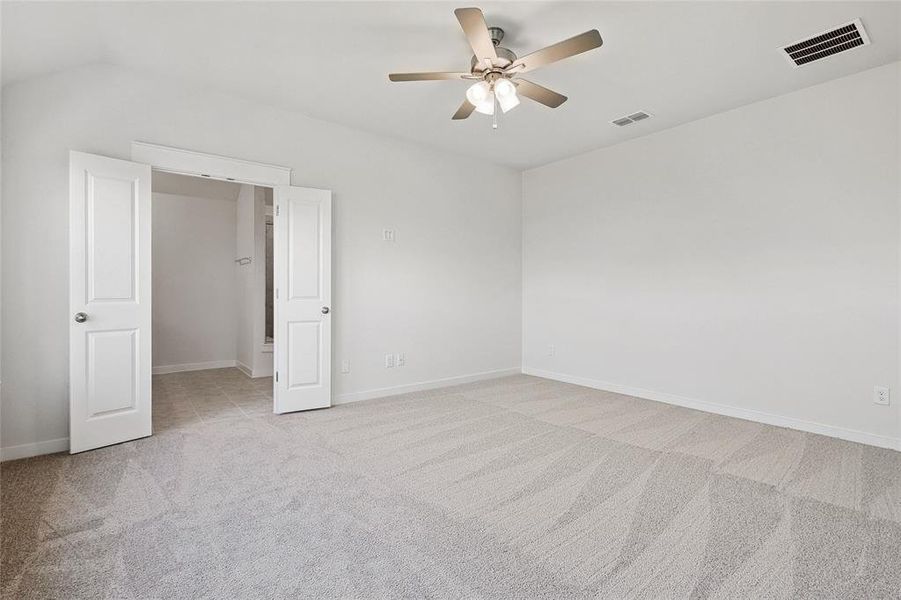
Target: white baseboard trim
851,435
62,444
244,368
34,449
216,364
423,385
266,370
253,374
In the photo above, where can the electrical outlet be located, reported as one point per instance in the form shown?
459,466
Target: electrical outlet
401,360
882,395
389,361
345,366
552,350
388,235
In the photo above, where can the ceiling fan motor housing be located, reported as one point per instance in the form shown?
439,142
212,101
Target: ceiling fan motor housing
505,58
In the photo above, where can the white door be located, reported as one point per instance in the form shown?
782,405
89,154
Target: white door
109,301
303,294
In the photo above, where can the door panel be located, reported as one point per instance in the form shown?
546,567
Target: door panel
110,238
303,354
302,264
109,284
304,241
111,365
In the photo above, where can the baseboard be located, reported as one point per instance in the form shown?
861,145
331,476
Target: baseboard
265,370
216,364
254,374
851,435
423,385
244,368
34,449
62,444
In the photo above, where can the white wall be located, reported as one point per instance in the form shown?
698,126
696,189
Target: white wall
253,359
244,247
447,292
194,301
749,259
263,365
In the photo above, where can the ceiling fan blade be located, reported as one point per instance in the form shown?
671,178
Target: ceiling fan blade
574,45
427,76
539,93
464,111
473,23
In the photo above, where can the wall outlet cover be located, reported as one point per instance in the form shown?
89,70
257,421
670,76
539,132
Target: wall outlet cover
882,395
401,360
389,361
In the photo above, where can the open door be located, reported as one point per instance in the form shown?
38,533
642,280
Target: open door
303,294
109,301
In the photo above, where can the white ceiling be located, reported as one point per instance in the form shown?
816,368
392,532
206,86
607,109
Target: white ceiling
677,60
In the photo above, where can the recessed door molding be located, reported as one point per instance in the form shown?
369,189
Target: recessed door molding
212,166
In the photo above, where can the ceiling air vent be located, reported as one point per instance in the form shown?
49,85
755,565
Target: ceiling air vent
845,37
633,118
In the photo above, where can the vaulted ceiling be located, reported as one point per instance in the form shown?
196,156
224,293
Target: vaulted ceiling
679,61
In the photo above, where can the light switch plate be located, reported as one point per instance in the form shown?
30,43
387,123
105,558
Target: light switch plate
388,235
401,360
389,361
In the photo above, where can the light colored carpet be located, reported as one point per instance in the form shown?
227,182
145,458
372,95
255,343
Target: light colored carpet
511,488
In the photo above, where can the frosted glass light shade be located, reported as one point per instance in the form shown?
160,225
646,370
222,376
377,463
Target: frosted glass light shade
506,94
508,102
504,88
478,93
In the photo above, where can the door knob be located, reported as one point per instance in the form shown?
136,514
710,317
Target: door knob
325,310
81,317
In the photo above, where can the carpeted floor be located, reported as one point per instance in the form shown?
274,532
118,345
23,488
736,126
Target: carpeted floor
511,488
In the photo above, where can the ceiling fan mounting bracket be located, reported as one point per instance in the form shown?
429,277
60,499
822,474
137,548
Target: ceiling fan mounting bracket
497,34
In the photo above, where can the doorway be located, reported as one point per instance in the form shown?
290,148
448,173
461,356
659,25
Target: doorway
211,296
110,292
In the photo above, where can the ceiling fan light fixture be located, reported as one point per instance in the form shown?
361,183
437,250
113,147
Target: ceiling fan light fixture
486,106
478,93
504,88
508,102
506,94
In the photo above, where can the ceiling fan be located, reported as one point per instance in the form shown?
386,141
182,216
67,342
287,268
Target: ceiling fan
497,71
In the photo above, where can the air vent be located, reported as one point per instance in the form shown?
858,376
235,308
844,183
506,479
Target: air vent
840,39
633,118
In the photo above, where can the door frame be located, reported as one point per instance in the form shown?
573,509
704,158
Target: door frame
211,166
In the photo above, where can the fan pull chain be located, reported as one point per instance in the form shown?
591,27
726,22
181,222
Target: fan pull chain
494,112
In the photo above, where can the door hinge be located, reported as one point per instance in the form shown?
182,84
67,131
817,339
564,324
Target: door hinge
276,377
277,210
276,293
